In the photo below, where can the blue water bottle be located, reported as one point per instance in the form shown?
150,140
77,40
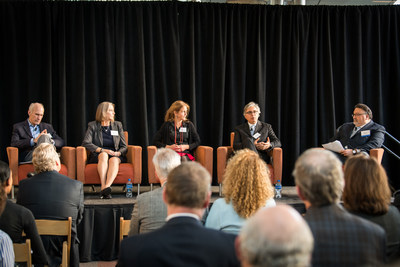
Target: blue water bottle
278,189
129,188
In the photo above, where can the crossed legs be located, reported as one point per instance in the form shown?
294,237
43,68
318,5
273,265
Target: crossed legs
108,169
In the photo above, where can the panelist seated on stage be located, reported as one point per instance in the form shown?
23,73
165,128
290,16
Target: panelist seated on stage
106,142
51,195
254,134
149,211
26,135
177,132
183,240
361,135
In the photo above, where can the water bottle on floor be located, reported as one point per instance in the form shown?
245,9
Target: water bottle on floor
278,189
129,188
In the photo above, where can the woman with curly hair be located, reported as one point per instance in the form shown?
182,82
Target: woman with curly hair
246,187
367,194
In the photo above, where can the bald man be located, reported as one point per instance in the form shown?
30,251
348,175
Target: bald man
26,135
275,236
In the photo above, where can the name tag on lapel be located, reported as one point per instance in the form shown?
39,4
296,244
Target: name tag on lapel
365,133
182,130
256,135
114,133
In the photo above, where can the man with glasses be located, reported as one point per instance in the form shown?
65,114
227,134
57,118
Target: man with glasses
361,135
254,134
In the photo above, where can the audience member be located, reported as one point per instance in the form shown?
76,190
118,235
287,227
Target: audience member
367,194
50,195
177,132
26,135
361,135
17,219
105,139
182,241
149,211
341,239
246,188
254,134
6,245
275,237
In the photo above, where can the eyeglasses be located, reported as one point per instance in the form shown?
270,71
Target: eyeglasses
356,115
252,112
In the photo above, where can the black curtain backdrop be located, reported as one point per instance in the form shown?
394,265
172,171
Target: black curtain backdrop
307,66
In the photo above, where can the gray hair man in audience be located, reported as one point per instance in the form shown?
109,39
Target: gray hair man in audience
149,211
275,237
183,240
341,239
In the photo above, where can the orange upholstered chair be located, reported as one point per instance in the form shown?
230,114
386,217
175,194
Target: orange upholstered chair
20,172
377,153
203,155
225,152
87,173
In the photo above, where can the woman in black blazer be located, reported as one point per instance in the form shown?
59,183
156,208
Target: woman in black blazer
177,132
105,140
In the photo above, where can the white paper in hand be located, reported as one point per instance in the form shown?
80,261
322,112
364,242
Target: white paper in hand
335,146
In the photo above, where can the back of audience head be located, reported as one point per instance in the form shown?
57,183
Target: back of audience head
45,158
165,160
275,236
319,177
188,186
366,186
5,181
246,182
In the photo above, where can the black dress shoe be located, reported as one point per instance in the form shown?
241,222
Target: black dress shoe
105,193
30,174
106,196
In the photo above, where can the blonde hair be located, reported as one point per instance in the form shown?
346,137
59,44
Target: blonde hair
33,105
102,110
246,183
45,158
176,106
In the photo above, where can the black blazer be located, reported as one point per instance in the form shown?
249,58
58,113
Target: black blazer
21,137
244,139
364,143
94,137
182,241
50,195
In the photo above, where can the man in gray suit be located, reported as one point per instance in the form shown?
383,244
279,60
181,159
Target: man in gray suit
340,238
149,212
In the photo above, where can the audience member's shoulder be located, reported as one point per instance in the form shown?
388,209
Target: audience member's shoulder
368,226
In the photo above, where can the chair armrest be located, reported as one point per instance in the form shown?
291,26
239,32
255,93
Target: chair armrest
151,172
277,155
377,153
12,153
68,158
134,156
204,155
81,159
223,154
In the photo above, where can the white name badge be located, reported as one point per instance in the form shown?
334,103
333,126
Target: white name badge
256,135
365,133
114,133
182,130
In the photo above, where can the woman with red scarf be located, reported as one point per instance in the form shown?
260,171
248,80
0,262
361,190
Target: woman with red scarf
177,132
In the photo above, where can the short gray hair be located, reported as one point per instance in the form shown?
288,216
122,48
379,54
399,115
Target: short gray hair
165,160
276,236
251,104
319,175
32,105
45,158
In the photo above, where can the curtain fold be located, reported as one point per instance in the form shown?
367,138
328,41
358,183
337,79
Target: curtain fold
307,66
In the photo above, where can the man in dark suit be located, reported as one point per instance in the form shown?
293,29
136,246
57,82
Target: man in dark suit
149,211
254,134
340,238
361,135
26,135
183,240
50,195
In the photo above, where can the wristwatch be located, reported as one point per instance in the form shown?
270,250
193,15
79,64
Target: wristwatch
354,151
